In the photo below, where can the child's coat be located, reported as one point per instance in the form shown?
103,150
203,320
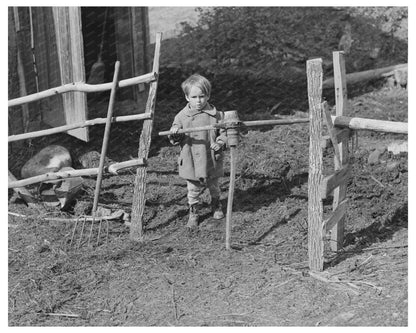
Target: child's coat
197,161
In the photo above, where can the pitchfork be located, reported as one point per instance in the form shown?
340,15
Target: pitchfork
93,218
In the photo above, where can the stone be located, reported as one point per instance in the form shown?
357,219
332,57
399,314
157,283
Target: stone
91,159
398,147
49,159
374,156
400,77
102,211
392,165
344,317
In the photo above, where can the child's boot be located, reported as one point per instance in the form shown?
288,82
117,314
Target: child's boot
217,209
193,216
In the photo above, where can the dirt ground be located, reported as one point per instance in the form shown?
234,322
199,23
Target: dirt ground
181,278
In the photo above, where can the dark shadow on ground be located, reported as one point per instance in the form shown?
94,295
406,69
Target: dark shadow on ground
378,232
273,227
179,214
266,191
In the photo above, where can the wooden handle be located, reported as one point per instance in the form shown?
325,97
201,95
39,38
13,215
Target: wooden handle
106,136
253,123
233,158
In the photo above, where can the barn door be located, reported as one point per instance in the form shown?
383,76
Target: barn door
49,43
131,36
67,22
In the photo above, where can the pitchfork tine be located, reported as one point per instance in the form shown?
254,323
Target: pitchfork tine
92,225
74,230
106,239
82,231
99,231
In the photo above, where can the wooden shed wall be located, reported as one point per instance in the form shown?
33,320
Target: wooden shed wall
57,34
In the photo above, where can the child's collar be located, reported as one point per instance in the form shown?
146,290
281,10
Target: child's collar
210,109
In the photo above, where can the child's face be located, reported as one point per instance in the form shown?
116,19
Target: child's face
197,99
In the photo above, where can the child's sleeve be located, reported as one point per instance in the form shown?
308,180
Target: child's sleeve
177,121
176,139
222,135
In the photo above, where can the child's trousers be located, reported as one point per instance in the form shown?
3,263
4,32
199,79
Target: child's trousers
195,189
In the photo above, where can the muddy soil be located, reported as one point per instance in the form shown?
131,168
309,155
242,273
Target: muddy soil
179,278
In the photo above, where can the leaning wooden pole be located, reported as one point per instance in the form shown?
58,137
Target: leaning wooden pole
106,137
340,193
371,74
136,227
315,205
113,169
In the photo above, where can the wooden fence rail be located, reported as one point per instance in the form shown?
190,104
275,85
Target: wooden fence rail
355,123
81,87
113,169
64,128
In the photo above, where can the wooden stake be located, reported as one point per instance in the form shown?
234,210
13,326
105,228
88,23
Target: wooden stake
233,159
136,228
106,136
231,122
315,205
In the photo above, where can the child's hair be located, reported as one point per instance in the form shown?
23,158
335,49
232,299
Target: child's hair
198,81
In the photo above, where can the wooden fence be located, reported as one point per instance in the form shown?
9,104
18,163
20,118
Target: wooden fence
144,145
340,128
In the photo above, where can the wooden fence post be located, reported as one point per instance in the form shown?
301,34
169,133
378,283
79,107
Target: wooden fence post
136,227
315,205
340,193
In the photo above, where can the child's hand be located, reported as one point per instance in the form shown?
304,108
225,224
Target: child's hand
175,138
174,130
216,146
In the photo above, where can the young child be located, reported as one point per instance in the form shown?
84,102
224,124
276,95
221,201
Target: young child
201,157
